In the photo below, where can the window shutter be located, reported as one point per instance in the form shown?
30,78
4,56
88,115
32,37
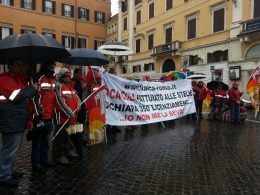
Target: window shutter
72,42
79,43
168,35
0,33
87,14
22,3
95,16
43,6
219,17
192,28
150,42
11,31
103,18
62,10
72,11
33,4
137,47
151,10
53,7
256,8
12,2
79,13
63,40
138,17
95,44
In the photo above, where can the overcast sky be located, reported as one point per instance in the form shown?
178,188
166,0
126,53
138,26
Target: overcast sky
114,7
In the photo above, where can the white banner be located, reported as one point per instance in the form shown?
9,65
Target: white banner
135,103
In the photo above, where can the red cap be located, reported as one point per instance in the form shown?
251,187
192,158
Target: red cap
67,74
235,84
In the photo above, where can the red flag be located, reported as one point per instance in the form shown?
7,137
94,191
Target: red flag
96,111
89,78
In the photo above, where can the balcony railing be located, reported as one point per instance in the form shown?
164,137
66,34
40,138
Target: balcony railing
251,25
168,47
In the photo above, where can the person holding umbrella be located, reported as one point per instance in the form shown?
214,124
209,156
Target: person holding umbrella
67,104
14,106
42,117
219,95
234,102
201,95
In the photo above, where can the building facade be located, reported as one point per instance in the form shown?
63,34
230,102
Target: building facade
74,23
219,38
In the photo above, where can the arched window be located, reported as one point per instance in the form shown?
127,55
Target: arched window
253,52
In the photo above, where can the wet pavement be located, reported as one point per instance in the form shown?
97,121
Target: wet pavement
184,158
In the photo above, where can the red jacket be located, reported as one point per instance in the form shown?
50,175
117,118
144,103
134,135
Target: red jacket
234,96
66,102
44,102
14,102
202,93
219,96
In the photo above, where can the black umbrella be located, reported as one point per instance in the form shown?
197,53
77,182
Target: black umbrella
213,85
86,57
31,48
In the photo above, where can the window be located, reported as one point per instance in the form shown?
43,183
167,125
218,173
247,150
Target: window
97,44
217,56
125,23
4,32
138,17
150,41
137,45
49,34
124,6
256,8
168,35
137,68
169,4
253,52
124,70
83,13
99,17
28,4
218,20
82,43
27,30
137,2
7,2
151,10
149,67
192,28
68,41
48,7
67,10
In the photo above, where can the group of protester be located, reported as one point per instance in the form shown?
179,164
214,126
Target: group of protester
40,104
220,98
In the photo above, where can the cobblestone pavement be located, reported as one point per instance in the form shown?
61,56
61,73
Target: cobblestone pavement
212,158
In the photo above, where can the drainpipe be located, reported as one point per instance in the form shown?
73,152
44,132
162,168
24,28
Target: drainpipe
75,23
119,33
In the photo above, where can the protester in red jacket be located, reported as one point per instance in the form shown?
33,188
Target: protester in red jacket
201,95
234,102
67,105
42,117
14,106
219,96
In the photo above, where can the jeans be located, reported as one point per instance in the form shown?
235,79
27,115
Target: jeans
11,144
235,113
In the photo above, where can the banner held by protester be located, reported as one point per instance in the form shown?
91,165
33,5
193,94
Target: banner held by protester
135,103
96,111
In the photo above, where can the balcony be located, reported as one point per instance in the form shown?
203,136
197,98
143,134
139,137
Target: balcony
166,48
250,27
